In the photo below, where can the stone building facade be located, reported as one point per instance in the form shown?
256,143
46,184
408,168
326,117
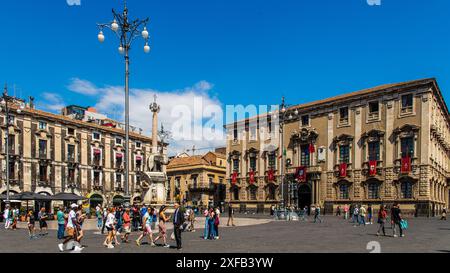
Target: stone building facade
375,146
198,180
51,153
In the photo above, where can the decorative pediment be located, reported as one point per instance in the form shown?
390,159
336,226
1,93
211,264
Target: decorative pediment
305,135
234,155
343,139
406,130
252,152
373,135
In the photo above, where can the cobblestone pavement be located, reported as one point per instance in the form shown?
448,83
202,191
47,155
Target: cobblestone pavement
333,235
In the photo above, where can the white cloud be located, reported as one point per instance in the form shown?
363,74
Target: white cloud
82,87
110,101
51,102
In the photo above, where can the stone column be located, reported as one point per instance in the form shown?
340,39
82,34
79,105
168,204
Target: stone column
27,158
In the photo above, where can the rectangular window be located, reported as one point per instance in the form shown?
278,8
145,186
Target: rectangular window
96,136
343,191
374,150
253,193
138,145
272,161
42,148
12,144
305,120
97,179
118,180
343,116
12,170
374,110
118,141
235,132
253,163
407,103
194,181
344,154
304,155
42,125
70,131
374,191
42,173
119,160
407,191
407,146
236,165
11,120
71,152
71,176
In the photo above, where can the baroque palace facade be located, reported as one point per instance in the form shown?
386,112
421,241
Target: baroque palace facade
79,151
375,146
198,180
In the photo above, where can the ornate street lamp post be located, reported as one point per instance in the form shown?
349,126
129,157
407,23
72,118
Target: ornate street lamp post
127,31
284,115
4,105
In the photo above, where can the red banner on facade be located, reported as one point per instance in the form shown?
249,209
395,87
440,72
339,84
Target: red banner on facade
343,170
406,164
252,177
312,149
234,178
373,167
300,174
270,175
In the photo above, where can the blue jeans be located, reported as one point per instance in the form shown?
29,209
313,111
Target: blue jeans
206,233
60,231
99,222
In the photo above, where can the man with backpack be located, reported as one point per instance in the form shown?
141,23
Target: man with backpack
355,215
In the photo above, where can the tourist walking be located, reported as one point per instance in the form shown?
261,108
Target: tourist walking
79,224
305,214
105,216
136,218
362,216
99,214
317,214
444,214
355,217
126,225
110,223
147,227
211,225
71,229
396,218
230,215
118,220
15,218
31,223
370,214
346,208
191,220
206,231
178,221
6,217
382,215
162,226
217,223
338,211
42,218
61,218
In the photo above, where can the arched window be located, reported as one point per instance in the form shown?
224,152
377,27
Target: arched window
374,190
343,191
406,189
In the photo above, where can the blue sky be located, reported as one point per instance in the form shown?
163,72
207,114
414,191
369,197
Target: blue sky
245,52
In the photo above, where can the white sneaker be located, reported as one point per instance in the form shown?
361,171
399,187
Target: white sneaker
395,236
61,247
110,246
167,246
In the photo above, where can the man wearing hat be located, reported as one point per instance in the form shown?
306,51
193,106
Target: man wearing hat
71,229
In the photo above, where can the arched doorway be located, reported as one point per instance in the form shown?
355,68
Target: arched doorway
118,200
96,199
304,196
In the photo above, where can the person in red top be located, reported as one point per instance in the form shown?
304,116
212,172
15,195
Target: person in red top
382,215
126,225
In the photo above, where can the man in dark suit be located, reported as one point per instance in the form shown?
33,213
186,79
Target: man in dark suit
178,221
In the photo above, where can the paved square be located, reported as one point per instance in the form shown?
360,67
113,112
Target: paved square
333,235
